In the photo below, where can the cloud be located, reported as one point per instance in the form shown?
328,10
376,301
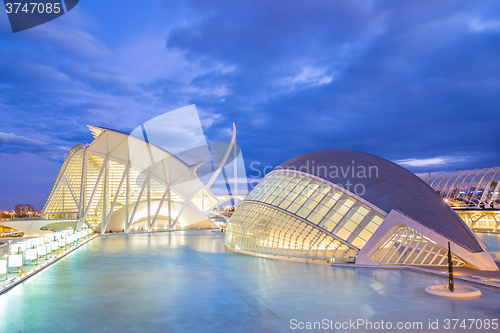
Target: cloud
209,117
415,162
410,82
89,83
479,25
15,144
309,77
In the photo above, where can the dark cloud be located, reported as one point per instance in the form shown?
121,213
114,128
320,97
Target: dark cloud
410,80
415,82
14,144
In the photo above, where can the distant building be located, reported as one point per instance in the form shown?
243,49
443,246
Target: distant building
20,209
469,189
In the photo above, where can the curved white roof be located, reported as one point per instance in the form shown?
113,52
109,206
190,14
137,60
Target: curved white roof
389,186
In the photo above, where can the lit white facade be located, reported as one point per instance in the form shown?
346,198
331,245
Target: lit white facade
300,211
165,175
473,194
122,182
476,189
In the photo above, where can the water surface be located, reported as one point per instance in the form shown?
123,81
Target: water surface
185,282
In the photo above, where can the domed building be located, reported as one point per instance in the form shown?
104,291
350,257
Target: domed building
349,206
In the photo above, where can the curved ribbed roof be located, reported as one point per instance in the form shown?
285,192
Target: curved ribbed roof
97,130
67,159
472,188
394,188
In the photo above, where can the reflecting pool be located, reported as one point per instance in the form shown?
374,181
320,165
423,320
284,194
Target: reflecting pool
185,282
492,241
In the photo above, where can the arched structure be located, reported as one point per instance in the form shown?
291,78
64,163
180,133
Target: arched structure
349,206
123,182
472,189
485,220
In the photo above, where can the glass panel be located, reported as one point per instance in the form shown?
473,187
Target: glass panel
290,186
371,227
328,225
277,190
350,226
285,204
301,185
340,208
277,201
291,196
303,212
315,218
357,212
311,187
317,196
293,207
331,198
347,201
322,209
363,210
283,193
343,233
324,189
365,234
358,242
310,204
378,219
300,199
362,226
332,217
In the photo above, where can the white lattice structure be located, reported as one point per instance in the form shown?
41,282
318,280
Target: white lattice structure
123,182
481,220
479,188
409,247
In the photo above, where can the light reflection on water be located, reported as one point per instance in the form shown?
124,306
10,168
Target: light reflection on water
492,240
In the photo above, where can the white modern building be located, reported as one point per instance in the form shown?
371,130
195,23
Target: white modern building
124,182
348,206
473,194
469,189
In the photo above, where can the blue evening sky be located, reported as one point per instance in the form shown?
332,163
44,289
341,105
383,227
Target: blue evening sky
416,82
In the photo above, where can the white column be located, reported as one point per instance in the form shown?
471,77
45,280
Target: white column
235,147
126,201
149,200
104,196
